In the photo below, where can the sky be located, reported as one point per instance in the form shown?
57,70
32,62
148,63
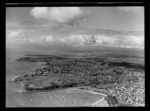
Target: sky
75,26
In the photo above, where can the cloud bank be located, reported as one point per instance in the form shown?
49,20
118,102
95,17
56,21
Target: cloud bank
115,40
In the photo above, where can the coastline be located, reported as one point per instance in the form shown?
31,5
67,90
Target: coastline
103,102
91,91
65,75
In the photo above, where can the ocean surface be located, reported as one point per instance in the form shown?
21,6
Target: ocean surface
63,98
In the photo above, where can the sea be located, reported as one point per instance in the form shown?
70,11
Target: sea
60,98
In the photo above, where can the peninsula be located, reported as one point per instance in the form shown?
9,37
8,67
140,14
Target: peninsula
118,77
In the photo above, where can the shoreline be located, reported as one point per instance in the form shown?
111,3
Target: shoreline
91,91
23,90
65,74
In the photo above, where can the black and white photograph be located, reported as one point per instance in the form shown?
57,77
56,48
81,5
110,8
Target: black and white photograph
75,56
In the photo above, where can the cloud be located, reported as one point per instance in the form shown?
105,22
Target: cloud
106,40
14,37
133,40
13,34
46,38
75,39
127,40
132,9
68,15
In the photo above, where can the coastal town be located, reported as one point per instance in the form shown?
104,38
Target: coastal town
120,79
